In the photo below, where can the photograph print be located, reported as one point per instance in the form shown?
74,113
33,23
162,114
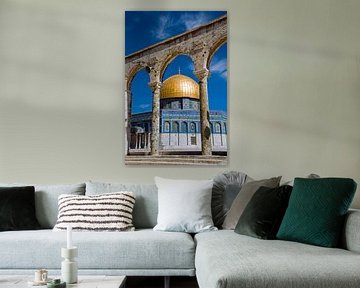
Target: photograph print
176,88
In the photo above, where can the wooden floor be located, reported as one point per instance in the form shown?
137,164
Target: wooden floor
158,282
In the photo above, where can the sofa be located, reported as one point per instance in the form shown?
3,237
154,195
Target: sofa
218,259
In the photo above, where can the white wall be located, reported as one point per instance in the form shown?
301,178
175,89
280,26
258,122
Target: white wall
294,89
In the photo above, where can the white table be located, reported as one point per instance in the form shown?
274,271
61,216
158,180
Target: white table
84,281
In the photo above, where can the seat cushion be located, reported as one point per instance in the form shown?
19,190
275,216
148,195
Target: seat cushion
144,249
226,259
146,205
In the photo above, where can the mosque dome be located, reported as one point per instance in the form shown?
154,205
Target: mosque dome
179,86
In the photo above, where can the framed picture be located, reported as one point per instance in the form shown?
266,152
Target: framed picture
176,87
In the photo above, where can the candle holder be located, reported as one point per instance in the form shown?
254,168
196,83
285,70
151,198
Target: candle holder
69,271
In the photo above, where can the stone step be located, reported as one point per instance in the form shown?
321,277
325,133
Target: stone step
176,160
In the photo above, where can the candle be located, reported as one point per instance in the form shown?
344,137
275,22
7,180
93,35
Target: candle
69,239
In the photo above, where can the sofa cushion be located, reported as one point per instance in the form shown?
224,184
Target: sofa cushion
46,200
263,215
225,259
146,205
243,198
225,189
105,212
184,205
317,209
142,249
17,208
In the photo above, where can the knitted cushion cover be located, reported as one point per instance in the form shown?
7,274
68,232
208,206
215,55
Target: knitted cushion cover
316,211
105,212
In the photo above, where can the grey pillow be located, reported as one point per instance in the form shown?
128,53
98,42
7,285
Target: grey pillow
225,189
146,204
184,205
243,198
310,176
46,200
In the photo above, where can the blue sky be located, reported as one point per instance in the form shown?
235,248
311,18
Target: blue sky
144,28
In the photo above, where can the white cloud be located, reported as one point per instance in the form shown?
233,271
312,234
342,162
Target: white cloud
167,24
190,22
162,30
143,106
219,66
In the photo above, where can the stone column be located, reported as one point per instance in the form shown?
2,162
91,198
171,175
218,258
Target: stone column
127,118
155,125
203,75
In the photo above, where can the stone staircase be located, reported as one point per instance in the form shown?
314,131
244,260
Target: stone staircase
175,160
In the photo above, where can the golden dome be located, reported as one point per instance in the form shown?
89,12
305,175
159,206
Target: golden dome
179,86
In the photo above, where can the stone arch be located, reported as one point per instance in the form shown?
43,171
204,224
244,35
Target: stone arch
132,71
214,48
169,58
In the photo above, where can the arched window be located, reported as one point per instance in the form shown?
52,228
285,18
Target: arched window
225,128
184,127
166,126
193,127
175,127
217,127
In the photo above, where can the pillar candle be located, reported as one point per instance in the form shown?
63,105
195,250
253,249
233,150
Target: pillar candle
69,237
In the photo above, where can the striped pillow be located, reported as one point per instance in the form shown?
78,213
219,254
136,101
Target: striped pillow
105,212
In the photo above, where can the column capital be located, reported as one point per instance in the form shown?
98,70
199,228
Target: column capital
202,74
156,85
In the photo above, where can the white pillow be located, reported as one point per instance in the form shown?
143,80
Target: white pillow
184,205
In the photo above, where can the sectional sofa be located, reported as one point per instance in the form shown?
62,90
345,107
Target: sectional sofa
219,259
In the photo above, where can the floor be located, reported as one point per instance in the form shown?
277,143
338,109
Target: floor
158,282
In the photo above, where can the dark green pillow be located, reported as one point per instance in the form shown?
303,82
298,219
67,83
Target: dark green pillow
316,211
17,208
264,212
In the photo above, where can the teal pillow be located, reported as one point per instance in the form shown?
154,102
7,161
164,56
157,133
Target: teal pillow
316,211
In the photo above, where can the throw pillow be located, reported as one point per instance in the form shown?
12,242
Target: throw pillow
317,209
263,215
184,205
311,176
243,198
146,205
17,209
46,200
226,187
105,212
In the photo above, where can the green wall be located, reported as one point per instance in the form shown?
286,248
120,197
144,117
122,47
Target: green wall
294,89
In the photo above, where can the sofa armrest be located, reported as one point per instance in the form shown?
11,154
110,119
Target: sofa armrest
351,234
